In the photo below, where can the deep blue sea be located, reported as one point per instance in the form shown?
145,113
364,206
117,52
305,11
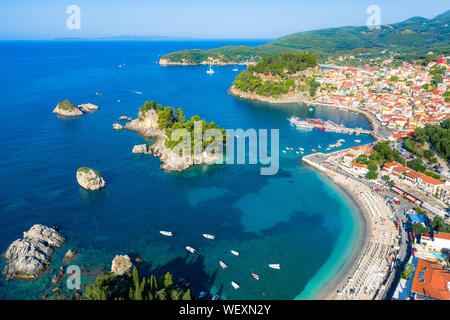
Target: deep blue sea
295,218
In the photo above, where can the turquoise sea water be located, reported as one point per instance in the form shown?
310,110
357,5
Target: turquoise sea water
295,218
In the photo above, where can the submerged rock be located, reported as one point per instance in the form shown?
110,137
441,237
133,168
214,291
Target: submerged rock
67,108
90,179
29,257
70,255
121,265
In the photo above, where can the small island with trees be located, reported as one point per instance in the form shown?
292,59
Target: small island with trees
160,122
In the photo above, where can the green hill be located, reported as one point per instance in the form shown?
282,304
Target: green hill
415,35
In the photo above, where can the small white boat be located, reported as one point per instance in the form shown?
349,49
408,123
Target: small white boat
297,152
190,249
235,285
209,236
222,264
311,109
274,266
167,233
118,100
235,252
255,276
284,151
302,149
235,69
210,70
358,141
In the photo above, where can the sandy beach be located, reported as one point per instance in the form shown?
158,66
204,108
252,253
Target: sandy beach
365,229
361,276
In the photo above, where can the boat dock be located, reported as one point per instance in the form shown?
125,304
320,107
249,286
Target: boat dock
330,126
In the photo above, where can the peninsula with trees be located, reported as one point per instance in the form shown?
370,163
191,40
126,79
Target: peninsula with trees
283,78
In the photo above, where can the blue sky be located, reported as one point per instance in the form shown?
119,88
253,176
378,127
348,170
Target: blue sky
44,19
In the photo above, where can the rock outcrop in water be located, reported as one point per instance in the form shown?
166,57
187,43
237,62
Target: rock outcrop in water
121,265
29,257
117,126
147,125
140,148
67,108
90,179
88,107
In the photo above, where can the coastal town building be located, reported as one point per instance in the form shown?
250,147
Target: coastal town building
400,98
438,241
421,181
431,282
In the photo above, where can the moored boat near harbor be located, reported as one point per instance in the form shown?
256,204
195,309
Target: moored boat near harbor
167,233
190,249
209,236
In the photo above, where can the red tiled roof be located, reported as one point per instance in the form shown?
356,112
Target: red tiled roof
431,280
430,180
442,235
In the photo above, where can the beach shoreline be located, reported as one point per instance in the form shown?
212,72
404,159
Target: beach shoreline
363,217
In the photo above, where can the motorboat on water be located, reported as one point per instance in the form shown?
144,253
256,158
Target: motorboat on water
209,236
235,285
190,249
235,252
216,297
210,70
299,123
202,294
235,69
358,141
167,233
255,276
222,264
274,266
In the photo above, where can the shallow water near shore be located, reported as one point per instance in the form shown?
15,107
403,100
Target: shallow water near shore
293,218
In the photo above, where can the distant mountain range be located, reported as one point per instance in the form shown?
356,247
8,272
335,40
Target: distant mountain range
415,35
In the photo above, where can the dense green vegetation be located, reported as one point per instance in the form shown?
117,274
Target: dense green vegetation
438,224
170,119
286,63
418,228
415,36
67,105
248,82
408,271
108,286
437,135
382,153
280,67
